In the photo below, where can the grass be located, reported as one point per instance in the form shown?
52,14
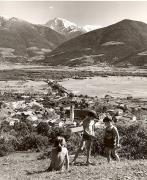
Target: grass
26,166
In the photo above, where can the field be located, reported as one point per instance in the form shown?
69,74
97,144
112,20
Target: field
95,86
116,86
25,166
36,73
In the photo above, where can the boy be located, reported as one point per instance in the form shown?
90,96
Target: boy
88,135
111,139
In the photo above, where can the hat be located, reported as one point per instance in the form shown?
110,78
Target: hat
107,119
91,113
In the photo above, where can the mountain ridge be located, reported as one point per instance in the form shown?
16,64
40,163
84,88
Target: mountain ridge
68,28
20,35
115,42
65,27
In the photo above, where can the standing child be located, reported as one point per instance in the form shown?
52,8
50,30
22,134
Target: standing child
88,135
111,139
59,155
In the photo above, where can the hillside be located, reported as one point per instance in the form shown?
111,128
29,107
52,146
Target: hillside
21,38
109,45
27,166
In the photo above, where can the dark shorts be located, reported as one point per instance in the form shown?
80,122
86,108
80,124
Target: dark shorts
87,137
109,143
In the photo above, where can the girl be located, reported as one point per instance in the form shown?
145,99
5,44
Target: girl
111,139
59,155
88,135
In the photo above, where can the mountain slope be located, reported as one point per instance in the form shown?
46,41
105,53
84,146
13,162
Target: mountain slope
65,27
110,45
21,36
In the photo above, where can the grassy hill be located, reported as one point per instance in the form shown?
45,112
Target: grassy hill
28,166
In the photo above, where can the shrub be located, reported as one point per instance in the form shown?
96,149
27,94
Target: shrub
21,128
133,140
74,142
4,149
33,141
7,144
43,128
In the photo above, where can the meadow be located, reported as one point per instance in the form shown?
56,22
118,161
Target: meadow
116,86
27,166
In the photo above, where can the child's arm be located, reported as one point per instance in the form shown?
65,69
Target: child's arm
51,163
116,135
67,161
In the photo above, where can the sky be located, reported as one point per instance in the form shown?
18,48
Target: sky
100,13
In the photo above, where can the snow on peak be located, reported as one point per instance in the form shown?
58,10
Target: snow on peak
13,19
68,28
63,26
88,28
65,22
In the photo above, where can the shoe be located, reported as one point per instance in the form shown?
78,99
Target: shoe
90,163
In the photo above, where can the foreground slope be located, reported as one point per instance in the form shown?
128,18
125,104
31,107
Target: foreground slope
26,166
109,45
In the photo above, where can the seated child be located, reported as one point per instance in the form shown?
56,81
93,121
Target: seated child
59,155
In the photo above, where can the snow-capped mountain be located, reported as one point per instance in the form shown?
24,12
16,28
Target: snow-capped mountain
63,26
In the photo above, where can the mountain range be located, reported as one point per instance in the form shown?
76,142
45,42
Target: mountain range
60,42
123,43
21,38
69,29
65,27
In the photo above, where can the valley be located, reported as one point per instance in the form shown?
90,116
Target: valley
46,70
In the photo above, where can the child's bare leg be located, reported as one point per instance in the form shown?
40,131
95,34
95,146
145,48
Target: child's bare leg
108,154
114,153
89,144
78,151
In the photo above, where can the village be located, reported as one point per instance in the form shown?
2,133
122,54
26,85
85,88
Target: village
60,108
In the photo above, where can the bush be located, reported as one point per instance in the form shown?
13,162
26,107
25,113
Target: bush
133,140
7,144
21,128
74,142
33,141
43,128
4,149
54,132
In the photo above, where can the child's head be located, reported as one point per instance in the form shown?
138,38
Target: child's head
107,120
59,142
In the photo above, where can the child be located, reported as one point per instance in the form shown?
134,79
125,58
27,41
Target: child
59,155
111,139
88,135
